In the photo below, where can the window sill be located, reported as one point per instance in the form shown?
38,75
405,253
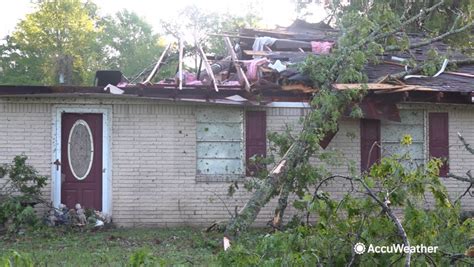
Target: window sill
219,178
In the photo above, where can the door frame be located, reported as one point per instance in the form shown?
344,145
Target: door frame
106,112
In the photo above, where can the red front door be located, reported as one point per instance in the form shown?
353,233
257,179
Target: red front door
81,160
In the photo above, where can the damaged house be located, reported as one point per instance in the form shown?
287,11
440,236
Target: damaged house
162,153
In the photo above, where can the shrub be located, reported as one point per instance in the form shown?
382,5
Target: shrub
13,258
20,191
143,257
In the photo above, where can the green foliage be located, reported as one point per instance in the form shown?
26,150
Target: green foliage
21,189
62,31
144,257
56,31
342,222
13,258
128,43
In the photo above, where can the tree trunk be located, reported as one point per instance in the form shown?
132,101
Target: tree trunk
300,150
277,221
266,191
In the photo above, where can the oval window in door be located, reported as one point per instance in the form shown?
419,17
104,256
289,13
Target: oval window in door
80,149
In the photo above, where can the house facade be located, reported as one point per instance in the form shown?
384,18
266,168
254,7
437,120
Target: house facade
161,162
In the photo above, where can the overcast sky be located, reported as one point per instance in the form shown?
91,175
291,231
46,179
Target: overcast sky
273,12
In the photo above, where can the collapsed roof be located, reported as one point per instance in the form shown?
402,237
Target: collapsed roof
262,67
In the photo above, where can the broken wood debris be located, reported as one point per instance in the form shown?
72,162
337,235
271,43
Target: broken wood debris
268,59
157,66
207,66
240,72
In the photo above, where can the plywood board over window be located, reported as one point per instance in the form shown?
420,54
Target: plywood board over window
412,123
219,138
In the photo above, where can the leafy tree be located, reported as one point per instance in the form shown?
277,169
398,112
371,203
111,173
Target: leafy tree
128,43
58,38
197,26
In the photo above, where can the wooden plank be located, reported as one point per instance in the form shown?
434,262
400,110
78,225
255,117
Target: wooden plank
463,74
240,72
276,53
369,86
283,44
408,88
180,66
298,87
207,66
157,66
257,53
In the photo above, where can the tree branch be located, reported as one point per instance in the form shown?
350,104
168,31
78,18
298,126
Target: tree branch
401,231
460,178
465,143
417,69
468,189
434,39
409,21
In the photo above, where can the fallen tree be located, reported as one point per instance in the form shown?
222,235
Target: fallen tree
367,216
363,38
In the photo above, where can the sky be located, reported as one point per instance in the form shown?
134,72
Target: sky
273,12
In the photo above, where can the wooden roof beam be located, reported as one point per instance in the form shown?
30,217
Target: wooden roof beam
240,72
207,66
157,65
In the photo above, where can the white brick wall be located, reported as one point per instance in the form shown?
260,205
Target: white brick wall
154,158
26,129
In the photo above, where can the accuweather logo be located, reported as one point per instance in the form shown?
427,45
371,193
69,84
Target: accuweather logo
360,248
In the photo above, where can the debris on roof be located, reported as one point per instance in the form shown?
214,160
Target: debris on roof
261,67
268,59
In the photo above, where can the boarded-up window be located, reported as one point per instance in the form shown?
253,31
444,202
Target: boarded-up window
369,143
392,132
439,139
219,142
255,139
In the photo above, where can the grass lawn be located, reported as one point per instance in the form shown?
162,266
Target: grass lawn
113,247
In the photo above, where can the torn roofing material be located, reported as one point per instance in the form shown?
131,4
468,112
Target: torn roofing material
268,60
268,73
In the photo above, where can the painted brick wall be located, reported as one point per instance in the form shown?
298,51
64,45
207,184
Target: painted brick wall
460,120
26,129
154,158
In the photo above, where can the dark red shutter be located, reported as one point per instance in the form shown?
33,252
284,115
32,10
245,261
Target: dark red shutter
439,139
327,139
369,143
256,138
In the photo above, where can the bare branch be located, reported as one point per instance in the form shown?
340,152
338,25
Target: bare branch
466,144
465,193
223,202
358,236
350,179
459,178
401,231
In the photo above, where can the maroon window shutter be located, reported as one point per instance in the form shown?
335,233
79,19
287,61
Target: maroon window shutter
369,143
256,138
439,139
